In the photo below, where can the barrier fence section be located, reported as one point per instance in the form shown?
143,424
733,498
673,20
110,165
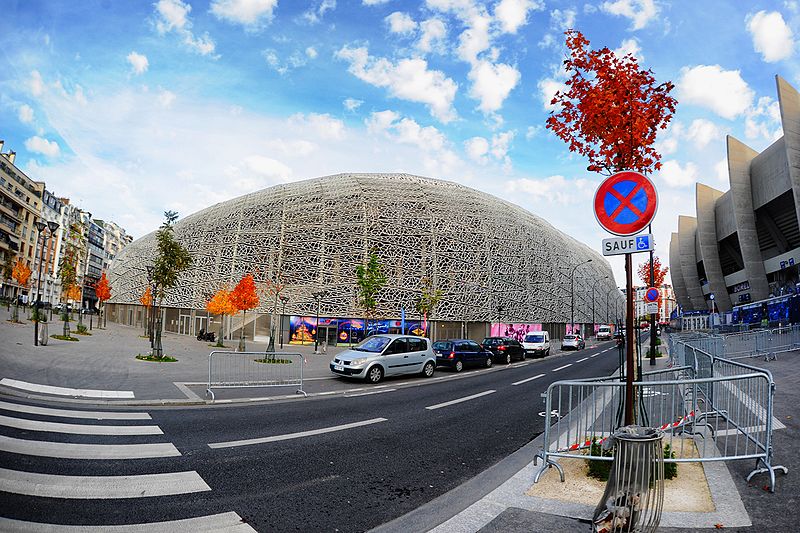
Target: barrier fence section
227,369
711,409
756,343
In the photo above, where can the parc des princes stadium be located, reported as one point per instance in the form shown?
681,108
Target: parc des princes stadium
501,270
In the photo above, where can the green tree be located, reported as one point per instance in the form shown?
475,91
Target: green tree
427,301
172,259
370,279
68,268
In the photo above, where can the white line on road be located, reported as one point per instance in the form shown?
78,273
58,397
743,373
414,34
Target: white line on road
561,367
100,487
581,360
64,391
224,522
65,413
275,438
527,380
64,450
593,356
464,399
77,429
368,393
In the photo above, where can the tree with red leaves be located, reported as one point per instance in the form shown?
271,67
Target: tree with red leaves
102,290
612,109
221,304
244,297
659,270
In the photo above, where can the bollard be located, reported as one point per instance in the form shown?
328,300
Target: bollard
634,495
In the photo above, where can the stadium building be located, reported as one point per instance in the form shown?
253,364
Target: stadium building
500,269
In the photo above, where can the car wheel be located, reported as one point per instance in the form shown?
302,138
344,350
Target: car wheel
524,355
547,352
508,358
488,363
459,366
427,370
375,374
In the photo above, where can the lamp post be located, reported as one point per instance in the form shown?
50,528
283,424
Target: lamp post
593,288
150,272
40,227
572,293
608,305
284,299
318,296
499,311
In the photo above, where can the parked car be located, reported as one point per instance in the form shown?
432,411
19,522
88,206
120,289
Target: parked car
573,342
504,349
459,353
604,333
537,343
386,355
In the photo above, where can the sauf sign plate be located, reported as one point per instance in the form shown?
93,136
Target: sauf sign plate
628,245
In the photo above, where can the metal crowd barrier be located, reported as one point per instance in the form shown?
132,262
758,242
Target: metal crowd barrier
711,409
228,370
765,343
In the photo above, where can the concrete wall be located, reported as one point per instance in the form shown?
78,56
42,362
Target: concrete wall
706,198
687,231
789,100
676,274
723,216
769,174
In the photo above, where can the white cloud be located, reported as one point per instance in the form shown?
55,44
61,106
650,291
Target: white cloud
267,167
408,79
138,62
492,84
374,2
294,147
480,150
165,98
563,20
36,84
501,143
721,171
400,22
772,37
553,190
406,131
42,146
311,52
252,14
512,14
764,120
323,125
548,88
533,131
640,12
630,46
676,176
477,149
351,104
433,33
25,113
314,16
173,15
702,132
722,91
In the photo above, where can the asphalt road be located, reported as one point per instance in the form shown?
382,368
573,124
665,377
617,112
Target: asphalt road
403,447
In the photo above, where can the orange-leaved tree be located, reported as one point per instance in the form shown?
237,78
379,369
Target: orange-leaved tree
244,297
73,293
21,273
611,110
221,304
102,290
147,301
659,273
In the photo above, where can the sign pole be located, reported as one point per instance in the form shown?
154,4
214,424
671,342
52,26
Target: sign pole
629,348
652,315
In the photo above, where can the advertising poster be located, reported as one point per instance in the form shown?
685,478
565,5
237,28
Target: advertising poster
515,331
351,331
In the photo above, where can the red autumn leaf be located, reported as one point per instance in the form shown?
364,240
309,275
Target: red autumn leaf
102,289
244,296
659,270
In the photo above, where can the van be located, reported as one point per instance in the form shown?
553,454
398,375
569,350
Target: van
536,343
604,333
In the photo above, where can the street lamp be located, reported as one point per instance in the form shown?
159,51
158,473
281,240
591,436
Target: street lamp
150,321
594,286
40,227
572,293
608,305
284,299
318,296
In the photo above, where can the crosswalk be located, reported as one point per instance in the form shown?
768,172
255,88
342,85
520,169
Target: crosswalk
26,436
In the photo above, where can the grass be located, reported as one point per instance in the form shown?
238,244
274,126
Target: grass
150,358
274,361
601,469
63,338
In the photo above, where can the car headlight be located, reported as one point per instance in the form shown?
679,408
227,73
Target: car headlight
359,362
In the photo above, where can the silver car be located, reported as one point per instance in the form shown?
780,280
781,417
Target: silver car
386,355
573,342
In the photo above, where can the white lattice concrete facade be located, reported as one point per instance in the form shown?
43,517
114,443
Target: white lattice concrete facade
480,251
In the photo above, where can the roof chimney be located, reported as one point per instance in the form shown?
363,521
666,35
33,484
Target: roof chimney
12,156
1,145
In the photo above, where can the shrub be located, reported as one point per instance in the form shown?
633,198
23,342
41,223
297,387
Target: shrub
81,329
599,469
670,469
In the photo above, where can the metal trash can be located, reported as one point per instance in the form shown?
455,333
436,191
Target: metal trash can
634,495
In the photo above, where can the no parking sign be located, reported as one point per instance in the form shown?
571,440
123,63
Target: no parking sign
625,203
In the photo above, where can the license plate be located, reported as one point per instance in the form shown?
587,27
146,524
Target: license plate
340,368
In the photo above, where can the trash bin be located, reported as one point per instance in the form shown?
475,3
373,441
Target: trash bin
634,495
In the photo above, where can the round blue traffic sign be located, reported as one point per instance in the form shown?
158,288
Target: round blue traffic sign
625,203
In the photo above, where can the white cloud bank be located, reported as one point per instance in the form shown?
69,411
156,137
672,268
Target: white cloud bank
710,86
253,14
42,146
772,37
138,62
640,12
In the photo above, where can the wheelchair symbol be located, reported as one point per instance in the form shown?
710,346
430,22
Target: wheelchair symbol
642,243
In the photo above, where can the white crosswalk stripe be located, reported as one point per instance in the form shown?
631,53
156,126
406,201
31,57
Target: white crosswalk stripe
67,450
67,413
222,523
77,429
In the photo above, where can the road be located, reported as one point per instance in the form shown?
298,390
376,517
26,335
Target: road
339,463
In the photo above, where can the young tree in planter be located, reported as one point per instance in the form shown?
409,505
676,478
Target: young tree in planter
244,298
68,268
21,273
370,279
427,301
103,291
147,301
659,271
72,293
221,304
171,259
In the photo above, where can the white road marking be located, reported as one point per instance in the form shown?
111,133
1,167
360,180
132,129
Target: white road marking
593,356
223,523
77,429
581,360
100,487
276,438
527,380
64,391
65,413
369,393
464,399
561,367
64,450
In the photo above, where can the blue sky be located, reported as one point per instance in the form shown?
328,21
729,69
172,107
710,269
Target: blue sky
132,108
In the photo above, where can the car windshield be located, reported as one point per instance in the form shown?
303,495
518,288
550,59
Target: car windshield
569,337
534,338
374,344
441,346
492,341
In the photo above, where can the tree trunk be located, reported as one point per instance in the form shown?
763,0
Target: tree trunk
242,345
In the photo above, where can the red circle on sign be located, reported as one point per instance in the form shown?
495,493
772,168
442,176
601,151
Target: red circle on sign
651,295
621,211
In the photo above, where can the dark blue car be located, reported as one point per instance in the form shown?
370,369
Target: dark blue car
458,353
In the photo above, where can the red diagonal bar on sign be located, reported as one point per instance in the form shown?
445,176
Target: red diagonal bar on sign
625,201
